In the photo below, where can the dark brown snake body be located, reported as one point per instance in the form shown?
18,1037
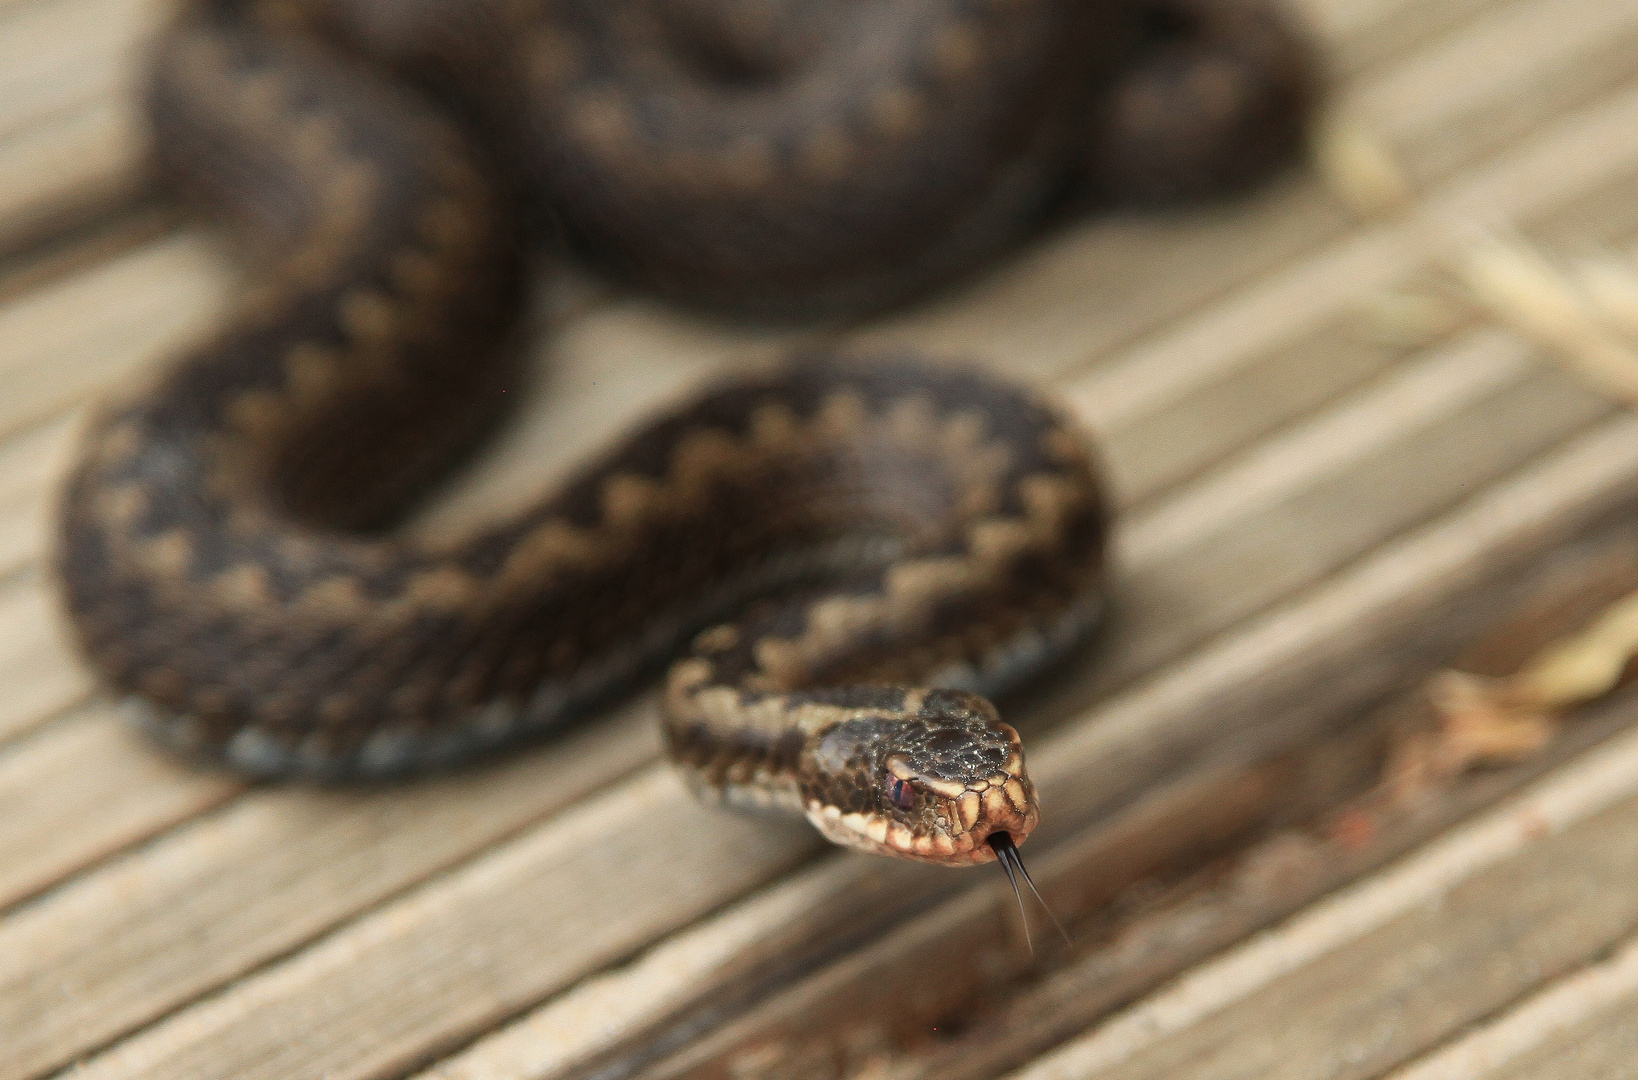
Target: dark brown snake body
892,538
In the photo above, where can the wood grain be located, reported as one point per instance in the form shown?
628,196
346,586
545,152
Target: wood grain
83,789
455,956
1367,977
71,140
1285,514
1453,103
174,1041
1300,336
143,304
1330,827
265,875
39,681
1579,1026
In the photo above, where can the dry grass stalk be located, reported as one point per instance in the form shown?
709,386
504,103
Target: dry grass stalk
1517,287
1359,169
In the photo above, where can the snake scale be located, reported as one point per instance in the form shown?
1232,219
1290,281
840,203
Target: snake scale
847,553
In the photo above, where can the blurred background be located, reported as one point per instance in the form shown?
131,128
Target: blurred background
1366,425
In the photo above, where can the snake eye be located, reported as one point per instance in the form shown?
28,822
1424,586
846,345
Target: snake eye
901,794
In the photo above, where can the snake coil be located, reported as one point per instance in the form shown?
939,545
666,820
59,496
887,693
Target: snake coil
892,540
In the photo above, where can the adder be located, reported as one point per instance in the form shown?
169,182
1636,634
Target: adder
851,552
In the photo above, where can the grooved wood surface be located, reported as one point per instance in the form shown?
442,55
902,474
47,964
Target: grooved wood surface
1333,476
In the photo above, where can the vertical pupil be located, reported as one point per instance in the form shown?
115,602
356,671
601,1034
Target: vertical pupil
900,795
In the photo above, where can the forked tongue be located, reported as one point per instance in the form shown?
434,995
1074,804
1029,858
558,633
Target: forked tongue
1006,853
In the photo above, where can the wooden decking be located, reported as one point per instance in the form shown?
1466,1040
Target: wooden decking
1334,476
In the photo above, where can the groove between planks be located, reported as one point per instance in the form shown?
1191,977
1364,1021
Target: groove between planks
1180,1030
1201,352
1580,1026
1508,70
71,143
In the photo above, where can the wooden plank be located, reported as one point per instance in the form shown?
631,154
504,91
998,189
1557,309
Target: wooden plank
38,681
1306,323
1511,68
29,466
1360,35
80,249
78,145
56,55
1417,396
71,140
1298,338
619,1023
703,854
61,173
1400,962
78,792
1075,294
185,270
963,1021
74,146
1381,461
31,348
94,138
450,958
628,338
31,461
145,304
993,321
1580,1026
1391,408
1072,298
272,871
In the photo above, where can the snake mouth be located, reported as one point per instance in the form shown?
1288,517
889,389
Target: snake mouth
957,832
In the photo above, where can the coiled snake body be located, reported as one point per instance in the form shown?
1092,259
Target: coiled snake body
892,537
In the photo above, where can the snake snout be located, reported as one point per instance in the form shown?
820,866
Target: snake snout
1006,804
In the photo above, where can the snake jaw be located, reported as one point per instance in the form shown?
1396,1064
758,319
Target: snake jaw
943,830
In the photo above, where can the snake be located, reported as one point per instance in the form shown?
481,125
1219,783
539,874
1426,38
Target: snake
838,558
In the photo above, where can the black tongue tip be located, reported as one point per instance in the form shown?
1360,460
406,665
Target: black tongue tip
1006,853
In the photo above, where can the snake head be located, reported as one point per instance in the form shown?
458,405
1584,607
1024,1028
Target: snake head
931,780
